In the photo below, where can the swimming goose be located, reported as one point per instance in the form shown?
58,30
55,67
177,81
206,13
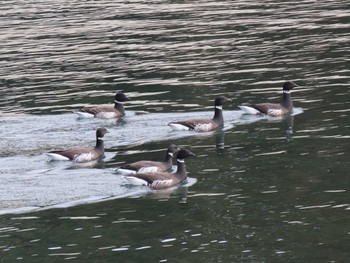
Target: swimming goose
81,155
203,125
150,166
163,180
106,112
273,109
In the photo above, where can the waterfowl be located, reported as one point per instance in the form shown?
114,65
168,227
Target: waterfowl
80,154
273,109
163,180
150,166
203,125
106,112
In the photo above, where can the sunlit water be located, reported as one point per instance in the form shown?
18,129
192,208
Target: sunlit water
261,190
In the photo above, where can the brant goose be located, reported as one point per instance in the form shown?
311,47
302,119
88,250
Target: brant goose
81,155
163,180
150,166
273,109
203,125
106,112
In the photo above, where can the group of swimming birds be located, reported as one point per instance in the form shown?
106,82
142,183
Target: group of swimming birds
157,175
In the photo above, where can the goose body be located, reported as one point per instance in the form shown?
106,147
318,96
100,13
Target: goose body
106,112
81,154
146,166
204,124
273,109
162,180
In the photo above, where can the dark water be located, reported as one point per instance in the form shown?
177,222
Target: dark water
262,190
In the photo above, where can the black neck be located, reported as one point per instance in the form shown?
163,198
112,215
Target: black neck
218,118
287,100
119,107
181,172
99,144
169,158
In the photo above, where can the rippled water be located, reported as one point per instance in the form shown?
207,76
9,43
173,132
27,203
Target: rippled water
262,190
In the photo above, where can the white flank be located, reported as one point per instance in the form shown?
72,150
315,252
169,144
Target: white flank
106,115
162,183
57,157
124,171
275,112
135,181
203,127
149,169
82,114
249,110
178,127
83,157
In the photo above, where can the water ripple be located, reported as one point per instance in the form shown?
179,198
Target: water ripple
147,44
173,58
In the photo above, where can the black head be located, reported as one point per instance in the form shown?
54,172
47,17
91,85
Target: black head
220,100
100,132
289,85
173,148
183,153
121,97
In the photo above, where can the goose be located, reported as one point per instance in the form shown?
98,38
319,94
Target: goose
80,154
146,166
204,124
273,109
162,180
106,112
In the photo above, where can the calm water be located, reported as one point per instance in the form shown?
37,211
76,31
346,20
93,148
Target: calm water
262,190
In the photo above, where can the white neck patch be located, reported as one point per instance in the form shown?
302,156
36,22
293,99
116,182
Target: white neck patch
286,91
118,102
218,107
181,160
100,138
171,154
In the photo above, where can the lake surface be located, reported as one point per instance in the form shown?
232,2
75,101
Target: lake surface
260,190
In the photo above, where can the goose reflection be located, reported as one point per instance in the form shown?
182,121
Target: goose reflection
98,164
288,127
220,143
179,191
287,121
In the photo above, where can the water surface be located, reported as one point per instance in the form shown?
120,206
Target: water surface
261,190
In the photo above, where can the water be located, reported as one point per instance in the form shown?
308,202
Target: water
263,190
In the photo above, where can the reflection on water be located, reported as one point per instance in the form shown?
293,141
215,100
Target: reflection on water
289,127
288,122
261,190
